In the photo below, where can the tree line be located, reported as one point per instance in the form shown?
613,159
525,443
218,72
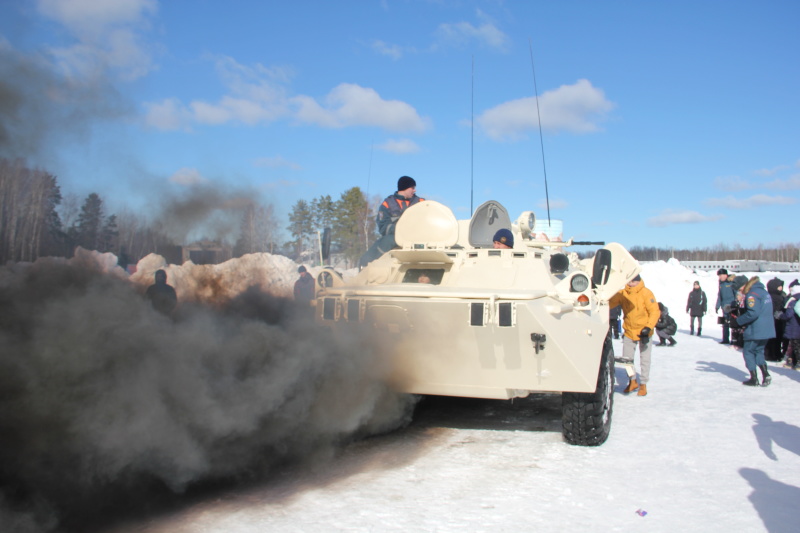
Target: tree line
36,220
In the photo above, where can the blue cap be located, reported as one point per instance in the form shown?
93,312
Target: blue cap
504,236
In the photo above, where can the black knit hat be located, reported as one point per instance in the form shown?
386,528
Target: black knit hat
405,182
722,271
301,269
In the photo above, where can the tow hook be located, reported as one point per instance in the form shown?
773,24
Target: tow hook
538,341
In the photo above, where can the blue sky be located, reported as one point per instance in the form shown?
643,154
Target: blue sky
665,123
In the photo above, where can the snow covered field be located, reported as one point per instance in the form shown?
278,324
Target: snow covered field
700,452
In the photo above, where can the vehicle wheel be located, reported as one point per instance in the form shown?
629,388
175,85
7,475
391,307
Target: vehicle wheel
586,417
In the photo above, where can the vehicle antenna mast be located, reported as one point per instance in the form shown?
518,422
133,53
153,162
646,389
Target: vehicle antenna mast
541,138
472,140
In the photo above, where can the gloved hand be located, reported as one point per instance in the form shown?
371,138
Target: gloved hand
644,335
732,322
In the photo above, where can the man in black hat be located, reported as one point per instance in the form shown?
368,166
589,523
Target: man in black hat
726,298
304,287
393,206
389,213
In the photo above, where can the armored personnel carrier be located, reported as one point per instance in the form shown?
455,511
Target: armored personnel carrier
464,319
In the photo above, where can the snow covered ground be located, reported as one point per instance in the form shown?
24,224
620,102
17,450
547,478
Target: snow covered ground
700,452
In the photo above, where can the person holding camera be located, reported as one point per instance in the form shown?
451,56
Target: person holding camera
759,327
641,313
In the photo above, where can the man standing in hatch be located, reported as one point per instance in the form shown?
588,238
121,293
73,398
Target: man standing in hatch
389,213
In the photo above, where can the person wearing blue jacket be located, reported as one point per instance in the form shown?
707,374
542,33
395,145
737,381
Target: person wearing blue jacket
725,297
759,327
792,331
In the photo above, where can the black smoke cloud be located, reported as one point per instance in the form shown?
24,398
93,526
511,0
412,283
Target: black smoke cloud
41,109
103,399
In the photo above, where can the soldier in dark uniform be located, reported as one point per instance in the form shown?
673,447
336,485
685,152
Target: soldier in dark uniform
389,213
161,295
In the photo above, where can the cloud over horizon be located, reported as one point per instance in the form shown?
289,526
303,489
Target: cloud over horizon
576,108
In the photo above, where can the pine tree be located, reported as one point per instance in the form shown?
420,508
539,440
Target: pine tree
109,235
350,224
86,232
301,227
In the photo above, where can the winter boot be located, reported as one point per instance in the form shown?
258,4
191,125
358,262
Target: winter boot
699,331
632,386
691,330
753,381
767,378
672,342
642,390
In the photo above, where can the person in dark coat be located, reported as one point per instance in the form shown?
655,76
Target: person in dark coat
304,287
759,326
161,295
696,306
665,327
773,351
736,309
792,330
725,297
389,213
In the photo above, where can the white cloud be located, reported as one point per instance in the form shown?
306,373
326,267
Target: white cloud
462,33
732,183
399,146
757,200
258,94
276,162
574,108
349,104
788,184
766,172
109,34
554,204
187,176
168,114
670,217
392,50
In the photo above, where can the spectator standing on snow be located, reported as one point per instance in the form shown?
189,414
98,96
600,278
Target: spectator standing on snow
725,296
161,295
641,314
773,351
304,287
792,331
665,327
759,327
696,306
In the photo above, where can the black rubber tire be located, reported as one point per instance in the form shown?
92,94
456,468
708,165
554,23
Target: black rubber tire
586,417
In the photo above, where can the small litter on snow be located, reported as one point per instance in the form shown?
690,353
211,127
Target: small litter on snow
641,512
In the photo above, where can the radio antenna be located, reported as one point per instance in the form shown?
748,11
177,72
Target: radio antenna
472,139
541,138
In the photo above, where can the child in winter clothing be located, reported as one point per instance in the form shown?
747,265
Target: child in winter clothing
696,306
792,331
666,327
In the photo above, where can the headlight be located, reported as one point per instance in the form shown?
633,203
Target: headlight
578,283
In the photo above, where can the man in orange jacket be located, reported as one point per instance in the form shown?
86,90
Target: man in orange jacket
641,313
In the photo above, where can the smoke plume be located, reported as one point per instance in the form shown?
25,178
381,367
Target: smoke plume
103,399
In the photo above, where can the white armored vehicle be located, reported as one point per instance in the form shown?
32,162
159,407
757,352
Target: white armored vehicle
464,319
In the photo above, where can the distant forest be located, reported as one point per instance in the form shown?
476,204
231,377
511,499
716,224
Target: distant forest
37,220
